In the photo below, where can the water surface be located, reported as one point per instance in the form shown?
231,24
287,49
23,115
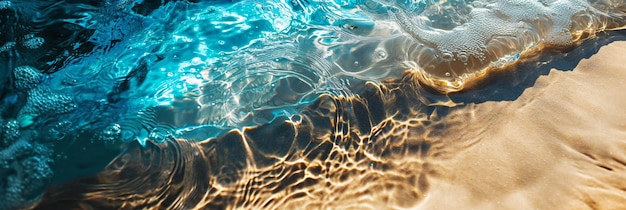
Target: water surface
254,104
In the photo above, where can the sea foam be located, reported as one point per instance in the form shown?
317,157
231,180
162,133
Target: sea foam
451,43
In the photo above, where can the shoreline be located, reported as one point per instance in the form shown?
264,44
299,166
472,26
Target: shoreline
560,144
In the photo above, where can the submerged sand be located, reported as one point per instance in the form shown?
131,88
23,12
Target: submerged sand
560,145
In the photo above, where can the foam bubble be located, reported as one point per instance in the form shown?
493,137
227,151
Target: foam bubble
10,132
26,77
7,46
45,102
381,54
110,133
159,135
447,56
32,42
469,39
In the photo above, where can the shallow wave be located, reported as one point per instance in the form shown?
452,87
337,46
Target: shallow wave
208,72
360,153
227,63
452,43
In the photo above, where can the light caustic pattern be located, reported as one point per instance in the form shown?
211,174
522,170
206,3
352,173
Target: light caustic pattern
378,151
338,153
232,65
266,104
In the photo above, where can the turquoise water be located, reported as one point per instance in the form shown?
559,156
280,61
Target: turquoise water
112,73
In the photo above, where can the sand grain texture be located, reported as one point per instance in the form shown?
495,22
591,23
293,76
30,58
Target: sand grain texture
560,145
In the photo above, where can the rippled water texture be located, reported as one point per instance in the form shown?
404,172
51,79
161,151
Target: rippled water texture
128,104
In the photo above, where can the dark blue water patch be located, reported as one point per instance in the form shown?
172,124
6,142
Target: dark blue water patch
82,157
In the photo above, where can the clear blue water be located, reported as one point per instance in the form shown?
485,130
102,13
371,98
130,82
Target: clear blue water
133,70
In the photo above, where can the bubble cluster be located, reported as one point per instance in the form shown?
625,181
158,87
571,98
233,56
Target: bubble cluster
110,133
7,46
24,172
32,42
159,135
26,77
44,102
37,168
468,40
10,132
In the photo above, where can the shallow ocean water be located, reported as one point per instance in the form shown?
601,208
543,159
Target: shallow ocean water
262,104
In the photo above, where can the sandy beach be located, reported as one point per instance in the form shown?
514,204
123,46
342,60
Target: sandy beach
560,145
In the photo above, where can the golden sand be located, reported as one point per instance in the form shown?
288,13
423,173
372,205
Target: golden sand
561,145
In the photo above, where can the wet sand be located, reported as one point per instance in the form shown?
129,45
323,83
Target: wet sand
560,145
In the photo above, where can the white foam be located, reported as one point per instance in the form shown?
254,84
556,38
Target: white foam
451,43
